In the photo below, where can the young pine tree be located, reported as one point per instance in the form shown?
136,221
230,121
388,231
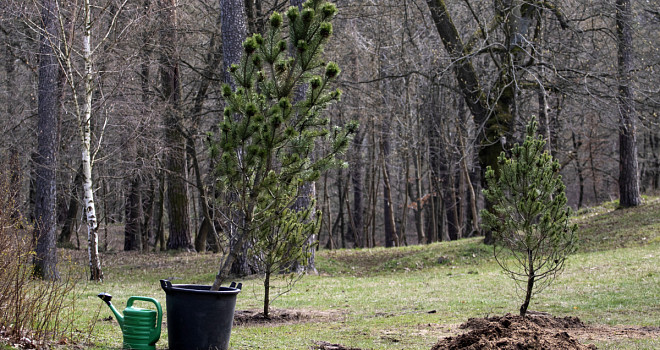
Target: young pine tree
269,133
530,219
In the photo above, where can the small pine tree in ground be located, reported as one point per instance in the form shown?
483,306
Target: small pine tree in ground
269,133
529,217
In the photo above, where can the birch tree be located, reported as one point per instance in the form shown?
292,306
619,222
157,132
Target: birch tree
83,111
96,273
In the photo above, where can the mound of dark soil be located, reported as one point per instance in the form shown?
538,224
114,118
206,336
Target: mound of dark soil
281,316
509,332
252,317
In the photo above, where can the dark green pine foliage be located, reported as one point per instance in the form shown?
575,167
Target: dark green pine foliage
268,136
530,218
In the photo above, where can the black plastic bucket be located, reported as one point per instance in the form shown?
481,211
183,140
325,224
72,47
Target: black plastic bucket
198,318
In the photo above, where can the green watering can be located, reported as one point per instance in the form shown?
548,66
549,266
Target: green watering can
141,327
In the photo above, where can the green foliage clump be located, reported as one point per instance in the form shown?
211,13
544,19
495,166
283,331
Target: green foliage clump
529,217
272,124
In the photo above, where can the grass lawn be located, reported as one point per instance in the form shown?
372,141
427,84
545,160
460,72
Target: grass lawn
409,297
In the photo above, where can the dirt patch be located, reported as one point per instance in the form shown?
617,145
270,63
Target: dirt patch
537,331
323,345
608,333
278,317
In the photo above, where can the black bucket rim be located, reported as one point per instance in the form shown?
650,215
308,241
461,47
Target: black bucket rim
168,287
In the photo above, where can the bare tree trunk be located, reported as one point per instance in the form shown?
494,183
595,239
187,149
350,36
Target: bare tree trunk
629,195
133,225
234,32
531,277
375,181
72,209
306,198
592,166
326,201
578,168
419,212
207,231
49,94
267,292
356,211
159,211
96,274
435,164
148,200
407,191
655,149
177,191
451,200
391,238
341,193
432,235
474,213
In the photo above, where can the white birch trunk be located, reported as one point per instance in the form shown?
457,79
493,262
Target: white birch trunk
96,274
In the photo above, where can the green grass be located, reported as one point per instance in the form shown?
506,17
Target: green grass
405,298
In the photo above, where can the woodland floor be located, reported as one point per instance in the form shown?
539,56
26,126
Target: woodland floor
437,296
536,331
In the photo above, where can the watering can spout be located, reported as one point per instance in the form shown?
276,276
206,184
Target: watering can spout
107,298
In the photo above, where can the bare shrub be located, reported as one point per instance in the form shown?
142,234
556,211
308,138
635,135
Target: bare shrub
32,312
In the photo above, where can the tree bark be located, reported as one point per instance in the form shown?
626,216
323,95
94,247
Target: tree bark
207,229
356,210
578,168
391,238
159,211
176,176
96,273
655,149
49,94
449,198
629,194
436,231
134,214
148,200
419,212
72,209
531,278
234,32
306,198
496,123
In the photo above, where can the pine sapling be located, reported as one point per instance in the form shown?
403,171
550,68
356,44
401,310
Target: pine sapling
529,217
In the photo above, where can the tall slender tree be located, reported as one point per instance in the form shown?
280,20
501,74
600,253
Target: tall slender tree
629,195
177,189
45,260
96,274
234,32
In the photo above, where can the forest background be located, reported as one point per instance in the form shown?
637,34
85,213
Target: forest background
438,88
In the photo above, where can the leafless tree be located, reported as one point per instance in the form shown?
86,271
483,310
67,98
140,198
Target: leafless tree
50,87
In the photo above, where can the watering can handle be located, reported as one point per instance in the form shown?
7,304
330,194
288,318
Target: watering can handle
156,331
